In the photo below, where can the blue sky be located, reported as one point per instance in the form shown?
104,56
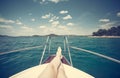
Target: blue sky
41,17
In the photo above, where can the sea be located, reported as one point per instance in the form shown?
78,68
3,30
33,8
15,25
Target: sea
14,57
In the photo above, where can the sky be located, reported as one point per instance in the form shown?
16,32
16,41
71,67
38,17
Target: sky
62,17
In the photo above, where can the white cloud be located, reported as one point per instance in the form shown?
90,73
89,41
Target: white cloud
62,27
25,30
42,27
47,1
108,25
46,16
19,31
67,17
70,24
118,14
6,30
3,20
55,23
53,18
57,1
104,20
5,27
18,22
33,19
43,2
53,30
63,12
40,30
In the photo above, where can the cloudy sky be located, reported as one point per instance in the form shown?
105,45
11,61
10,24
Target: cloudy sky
41,17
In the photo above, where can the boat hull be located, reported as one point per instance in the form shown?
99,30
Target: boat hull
35,71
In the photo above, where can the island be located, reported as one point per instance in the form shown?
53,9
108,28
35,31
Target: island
4,36
113,31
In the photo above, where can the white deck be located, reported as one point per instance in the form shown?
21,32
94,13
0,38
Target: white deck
35,71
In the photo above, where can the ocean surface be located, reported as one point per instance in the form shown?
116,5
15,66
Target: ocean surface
14,62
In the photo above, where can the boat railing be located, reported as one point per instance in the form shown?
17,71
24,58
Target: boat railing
48,43
44,50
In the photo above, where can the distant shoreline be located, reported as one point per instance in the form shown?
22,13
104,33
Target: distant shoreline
64,35
105,36
53,35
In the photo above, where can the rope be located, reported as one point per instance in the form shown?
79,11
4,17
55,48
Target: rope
98,54
44,50
22,49
69,51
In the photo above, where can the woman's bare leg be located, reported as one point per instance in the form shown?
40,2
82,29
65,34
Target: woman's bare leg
55,68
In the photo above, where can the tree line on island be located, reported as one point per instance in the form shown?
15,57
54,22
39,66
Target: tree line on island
113,31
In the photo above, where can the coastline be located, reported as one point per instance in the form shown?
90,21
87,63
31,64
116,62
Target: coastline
104,36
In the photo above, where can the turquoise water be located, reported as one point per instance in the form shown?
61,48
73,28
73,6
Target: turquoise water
98,67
